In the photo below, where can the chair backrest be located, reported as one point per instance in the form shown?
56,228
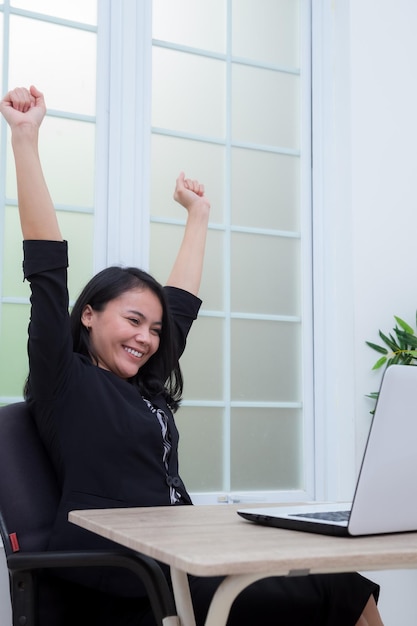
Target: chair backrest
29,492
29,497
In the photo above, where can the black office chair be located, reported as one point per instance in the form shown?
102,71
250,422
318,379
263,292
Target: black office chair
29,497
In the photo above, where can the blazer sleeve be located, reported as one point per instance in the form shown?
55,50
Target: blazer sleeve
184,308
49,334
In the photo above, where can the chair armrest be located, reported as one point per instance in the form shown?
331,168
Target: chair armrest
147,569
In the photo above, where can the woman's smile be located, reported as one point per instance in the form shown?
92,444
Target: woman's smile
133,352
126,333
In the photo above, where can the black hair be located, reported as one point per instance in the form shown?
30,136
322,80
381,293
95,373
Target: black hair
162,373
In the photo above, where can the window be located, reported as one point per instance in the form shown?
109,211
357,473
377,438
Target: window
224,95
231,106
52,45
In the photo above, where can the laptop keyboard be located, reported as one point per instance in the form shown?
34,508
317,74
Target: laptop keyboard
332,516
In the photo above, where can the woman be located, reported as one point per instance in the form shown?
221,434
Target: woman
103,386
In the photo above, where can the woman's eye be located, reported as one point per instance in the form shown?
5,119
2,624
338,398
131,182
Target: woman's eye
134,321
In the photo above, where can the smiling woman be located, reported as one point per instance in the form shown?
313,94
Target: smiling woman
112,446
126,333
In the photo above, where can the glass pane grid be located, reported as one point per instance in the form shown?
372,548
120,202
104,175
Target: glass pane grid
67,77
274,67
225,57
232,228
71,115
76,204
226,142
51,16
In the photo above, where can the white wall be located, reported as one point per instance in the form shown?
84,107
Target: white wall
384,173
381,162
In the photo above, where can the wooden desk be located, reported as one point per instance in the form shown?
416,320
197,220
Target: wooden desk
214,540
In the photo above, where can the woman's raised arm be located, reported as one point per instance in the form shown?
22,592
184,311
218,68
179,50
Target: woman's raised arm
24,110
188,266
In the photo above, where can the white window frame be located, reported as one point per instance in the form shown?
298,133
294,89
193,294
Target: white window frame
6,11
334,386
123,139
123,175
123,181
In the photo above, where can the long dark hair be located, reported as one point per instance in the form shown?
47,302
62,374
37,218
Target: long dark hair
162,373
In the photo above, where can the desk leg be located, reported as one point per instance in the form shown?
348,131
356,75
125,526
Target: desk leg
225,595
182,596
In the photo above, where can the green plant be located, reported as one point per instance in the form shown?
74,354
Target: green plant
401,348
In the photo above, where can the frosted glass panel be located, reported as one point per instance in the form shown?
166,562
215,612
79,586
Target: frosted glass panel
60,61
202,361
265,205
69,170
265,361
188,93
265,274
230,122
165,243
191,23
13,342
203,161
13,285
77,228
265,107
77,10
266,449
266,31
212,282
200,448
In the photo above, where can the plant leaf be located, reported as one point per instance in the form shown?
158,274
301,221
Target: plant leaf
374,346
401,341
410,339
403,349
390,341
380,363
397,358
404,325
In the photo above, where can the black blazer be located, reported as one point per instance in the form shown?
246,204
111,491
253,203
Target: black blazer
104,441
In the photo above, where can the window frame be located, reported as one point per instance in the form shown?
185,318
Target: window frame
7,10
333,289
126,29
123,174
123,136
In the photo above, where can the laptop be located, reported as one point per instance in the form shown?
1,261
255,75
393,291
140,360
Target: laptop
385,498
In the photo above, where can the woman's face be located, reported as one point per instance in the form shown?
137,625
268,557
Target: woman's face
126,333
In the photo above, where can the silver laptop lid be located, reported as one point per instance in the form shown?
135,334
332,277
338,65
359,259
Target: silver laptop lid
385,498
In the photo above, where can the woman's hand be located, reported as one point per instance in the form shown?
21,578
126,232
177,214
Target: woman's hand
24,110
188,266
23,107
190,193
